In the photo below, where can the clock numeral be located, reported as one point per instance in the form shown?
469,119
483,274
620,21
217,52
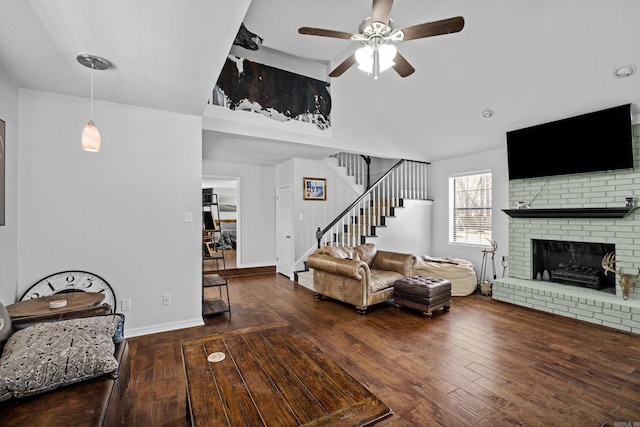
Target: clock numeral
70,278
88,284
53,289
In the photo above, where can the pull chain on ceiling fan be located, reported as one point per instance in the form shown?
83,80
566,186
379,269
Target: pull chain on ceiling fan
378,35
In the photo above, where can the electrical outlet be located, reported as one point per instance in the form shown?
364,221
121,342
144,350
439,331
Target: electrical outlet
126,304
166,299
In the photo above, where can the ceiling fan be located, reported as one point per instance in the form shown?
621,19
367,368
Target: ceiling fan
377,35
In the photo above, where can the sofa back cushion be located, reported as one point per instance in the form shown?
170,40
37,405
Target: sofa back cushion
342,252
366,252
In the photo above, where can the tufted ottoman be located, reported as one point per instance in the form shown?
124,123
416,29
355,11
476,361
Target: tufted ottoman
422,293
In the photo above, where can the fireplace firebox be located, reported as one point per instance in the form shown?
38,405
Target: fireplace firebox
572,263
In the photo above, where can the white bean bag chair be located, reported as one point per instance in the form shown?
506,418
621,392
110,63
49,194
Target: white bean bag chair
458,271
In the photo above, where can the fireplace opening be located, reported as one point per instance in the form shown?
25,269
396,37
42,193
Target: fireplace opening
572,263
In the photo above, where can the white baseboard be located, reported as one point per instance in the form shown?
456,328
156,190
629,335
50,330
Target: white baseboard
163,327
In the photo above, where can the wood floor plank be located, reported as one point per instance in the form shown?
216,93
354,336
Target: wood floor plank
484,363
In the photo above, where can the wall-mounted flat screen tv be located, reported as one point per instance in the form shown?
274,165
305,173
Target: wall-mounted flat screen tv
592,142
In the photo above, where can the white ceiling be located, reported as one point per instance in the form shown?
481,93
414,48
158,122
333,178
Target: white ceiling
529,61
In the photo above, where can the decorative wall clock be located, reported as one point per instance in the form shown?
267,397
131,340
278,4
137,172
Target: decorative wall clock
71,281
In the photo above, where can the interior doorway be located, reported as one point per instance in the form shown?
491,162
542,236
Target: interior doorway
227,190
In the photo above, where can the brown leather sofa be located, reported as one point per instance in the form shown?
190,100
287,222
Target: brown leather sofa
98,401
359,275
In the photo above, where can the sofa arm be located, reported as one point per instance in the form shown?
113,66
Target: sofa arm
342,267
394,261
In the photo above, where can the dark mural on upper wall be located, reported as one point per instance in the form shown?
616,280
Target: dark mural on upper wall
276,93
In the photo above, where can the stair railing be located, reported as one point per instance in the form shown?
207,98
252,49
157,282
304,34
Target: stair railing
407,179
357,166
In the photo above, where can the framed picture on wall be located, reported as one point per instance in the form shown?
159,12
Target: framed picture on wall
315,189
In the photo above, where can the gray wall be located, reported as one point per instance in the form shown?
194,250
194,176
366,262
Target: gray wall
496,162
9,94
119,213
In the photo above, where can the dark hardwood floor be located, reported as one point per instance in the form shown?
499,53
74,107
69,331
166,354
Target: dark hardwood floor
483,363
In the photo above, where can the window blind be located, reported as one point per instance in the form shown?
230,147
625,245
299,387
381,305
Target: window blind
470,209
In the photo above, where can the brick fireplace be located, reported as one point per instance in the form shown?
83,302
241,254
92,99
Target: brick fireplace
578,192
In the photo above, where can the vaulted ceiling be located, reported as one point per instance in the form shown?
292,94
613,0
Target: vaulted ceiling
529,61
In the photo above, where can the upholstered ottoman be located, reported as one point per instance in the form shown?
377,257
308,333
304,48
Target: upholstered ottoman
422,293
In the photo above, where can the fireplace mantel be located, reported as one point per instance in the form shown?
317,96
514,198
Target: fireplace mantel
570,212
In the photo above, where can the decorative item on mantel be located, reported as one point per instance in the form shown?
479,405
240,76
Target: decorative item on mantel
627,281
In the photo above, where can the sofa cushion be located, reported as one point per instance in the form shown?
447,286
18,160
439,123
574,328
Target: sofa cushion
366,252
45,356
341,252
381,279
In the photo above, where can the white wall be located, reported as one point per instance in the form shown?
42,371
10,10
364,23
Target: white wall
409,230
9,232
118,213
256,214
496,162
308,215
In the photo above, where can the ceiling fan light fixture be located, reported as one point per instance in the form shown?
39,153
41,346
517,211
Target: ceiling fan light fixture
366,57
377,35
387,54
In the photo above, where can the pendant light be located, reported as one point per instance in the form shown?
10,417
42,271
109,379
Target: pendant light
90,134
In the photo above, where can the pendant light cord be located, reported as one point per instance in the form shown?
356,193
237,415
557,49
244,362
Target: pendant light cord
92,67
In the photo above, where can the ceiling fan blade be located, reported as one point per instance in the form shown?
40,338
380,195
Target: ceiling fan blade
324,33
344,66
429,29
402,66
381,10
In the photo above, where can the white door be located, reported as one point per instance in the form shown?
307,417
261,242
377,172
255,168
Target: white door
284,232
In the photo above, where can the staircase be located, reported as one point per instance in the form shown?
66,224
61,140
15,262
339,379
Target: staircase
405,180
359,222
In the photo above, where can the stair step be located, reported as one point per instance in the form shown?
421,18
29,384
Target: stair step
305,278
366,229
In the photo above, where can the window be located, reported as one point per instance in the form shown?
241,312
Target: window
470,209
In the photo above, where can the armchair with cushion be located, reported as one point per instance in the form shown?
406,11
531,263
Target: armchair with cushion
359,275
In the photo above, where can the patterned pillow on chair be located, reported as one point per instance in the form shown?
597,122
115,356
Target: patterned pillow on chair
45,356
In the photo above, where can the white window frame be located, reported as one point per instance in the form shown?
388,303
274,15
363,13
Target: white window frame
484,204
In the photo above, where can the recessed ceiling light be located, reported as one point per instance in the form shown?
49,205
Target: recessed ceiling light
623,72
486,113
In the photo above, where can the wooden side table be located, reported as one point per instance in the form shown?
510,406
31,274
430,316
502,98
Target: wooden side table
37,307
